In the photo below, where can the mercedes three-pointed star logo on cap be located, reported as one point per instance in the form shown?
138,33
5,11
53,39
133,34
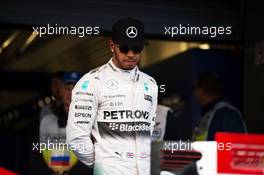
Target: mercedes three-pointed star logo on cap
131,32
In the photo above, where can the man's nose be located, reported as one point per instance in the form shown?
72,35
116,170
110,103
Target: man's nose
130,53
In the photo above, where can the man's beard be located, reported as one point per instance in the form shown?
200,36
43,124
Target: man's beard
120,63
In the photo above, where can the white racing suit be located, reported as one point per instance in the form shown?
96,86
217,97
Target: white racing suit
117,109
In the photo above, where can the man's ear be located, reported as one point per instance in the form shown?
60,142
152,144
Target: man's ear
111,45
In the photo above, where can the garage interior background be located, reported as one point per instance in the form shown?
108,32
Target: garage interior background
26,60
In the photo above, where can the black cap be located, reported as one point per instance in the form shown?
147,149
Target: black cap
128,31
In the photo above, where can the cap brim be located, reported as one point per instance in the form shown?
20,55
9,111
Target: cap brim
129,43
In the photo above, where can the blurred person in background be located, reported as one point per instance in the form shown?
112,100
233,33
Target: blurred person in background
218,115
55,90
52,132
55,86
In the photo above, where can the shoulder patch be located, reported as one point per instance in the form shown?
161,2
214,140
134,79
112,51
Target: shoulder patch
94,70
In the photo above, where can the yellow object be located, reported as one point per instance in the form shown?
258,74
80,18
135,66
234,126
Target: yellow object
201,137
59,160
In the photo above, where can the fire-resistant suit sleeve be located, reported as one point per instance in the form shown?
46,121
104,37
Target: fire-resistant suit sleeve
154,107
82,114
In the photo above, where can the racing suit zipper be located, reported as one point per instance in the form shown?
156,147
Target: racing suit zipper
134,90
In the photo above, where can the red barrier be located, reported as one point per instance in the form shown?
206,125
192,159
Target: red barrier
6,172
246,155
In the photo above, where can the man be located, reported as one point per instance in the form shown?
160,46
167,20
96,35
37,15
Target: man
115,104
53,132
218,114
37,164
53,124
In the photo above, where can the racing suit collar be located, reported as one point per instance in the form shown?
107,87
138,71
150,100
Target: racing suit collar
132,74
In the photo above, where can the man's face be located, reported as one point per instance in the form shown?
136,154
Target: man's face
127,60
66,93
